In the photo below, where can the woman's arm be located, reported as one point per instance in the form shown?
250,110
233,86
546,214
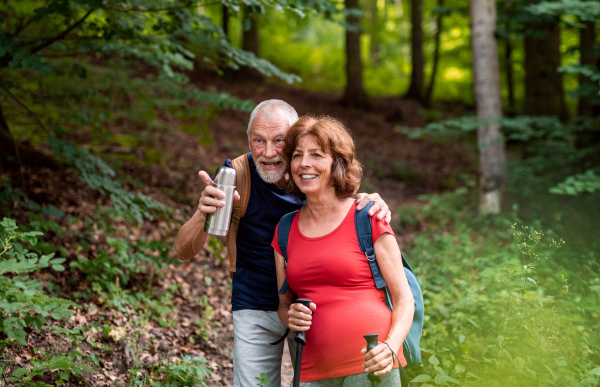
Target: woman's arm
390,262
293,315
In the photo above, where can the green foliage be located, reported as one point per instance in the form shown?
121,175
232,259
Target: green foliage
64,366
22,304
190,371
98,175
582,9
314,49
585,182
498,297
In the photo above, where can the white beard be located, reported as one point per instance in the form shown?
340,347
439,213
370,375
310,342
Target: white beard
272,177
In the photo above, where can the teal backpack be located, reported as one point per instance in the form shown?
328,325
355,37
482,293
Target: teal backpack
411,349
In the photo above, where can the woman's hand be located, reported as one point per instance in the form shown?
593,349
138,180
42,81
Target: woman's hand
379,360
300,317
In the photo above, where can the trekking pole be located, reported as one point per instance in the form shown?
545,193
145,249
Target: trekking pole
300,339
372,341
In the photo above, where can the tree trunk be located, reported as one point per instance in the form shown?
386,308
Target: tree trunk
417,78
544,92
486,82
374,47
250,38
588,90
436,52
510,77
354,95
225,21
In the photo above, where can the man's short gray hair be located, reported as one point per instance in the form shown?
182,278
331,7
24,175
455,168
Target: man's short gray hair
272,107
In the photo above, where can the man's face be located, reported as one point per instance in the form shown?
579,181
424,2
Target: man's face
266,145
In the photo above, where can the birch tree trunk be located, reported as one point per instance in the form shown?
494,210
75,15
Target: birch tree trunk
486,82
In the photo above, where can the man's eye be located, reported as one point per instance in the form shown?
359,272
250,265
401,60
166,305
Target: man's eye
279,140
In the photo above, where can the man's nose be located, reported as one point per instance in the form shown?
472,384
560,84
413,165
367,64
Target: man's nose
270,150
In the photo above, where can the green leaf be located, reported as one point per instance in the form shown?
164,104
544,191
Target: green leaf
421,378
434,360
595,371
561,362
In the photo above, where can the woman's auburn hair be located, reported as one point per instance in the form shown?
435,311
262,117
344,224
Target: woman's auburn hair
334,138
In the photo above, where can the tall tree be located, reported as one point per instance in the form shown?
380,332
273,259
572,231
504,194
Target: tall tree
225,20
417,77
441,11
374,46
588,57
544,91
354,94
486,82
250,38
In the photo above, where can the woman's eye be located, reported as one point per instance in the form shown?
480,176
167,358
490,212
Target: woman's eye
295,156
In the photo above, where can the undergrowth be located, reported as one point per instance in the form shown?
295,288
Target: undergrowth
502,306
117,272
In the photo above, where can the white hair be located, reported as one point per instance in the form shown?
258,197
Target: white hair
271,108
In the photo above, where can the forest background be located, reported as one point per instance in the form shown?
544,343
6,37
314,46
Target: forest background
109,107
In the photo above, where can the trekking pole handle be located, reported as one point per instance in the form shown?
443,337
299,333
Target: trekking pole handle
301,336
372,341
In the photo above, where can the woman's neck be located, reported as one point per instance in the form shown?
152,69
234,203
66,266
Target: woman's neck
322,215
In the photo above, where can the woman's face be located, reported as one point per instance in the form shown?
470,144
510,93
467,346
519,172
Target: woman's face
311,167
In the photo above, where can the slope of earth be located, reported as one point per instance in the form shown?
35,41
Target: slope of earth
398,168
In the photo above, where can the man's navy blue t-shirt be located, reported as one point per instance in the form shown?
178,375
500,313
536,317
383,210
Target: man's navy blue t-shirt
255,280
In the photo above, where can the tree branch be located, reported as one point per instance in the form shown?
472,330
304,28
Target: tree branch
26,109
62,34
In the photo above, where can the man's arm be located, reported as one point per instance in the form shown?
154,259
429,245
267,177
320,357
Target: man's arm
191,238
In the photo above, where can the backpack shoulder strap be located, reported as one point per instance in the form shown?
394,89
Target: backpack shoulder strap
364,235
243,185
283,234
411,349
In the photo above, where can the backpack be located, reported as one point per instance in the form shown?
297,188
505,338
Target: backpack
411,349
243,185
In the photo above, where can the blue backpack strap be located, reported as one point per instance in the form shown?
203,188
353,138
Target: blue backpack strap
364,232
283,234
362,221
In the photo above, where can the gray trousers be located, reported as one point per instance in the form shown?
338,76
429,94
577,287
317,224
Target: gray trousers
253,330
391,379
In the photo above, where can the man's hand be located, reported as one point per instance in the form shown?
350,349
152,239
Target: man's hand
362,199
211,197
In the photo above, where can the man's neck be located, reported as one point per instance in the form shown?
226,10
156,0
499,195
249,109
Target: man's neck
282,183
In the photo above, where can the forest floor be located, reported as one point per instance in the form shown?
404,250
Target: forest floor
398,168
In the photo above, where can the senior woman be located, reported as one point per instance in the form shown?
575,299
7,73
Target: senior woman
325,264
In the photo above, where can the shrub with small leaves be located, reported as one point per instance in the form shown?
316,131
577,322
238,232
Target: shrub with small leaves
22,304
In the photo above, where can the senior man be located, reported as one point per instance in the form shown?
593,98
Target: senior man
254,296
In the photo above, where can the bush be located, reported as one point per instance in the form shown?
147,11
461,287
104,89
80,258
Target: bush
501,307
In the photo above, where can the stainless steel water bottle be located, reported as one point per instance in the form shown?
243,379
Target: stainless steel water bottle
218,222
